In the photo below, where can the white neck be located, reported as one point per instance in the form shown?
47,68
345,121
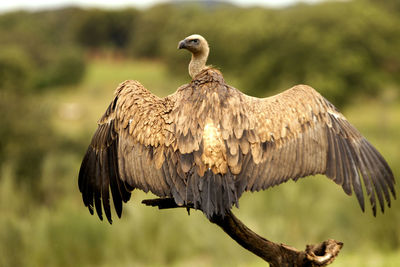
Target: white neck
198,63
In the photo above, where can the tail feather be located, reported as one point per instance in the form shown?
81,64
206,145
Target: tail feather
214,194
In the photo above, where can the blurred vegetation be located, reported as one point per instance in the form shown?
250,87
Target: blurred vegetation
58,69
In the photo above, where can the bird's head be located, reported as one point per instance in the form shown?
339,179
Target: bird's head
194,43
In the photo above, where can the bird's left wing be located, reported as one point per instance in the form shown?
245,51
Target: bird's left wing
299,133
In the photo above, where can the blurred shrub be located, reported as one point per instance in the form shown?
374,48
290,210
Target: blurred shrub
15,69
106,28
66,68
40,45
31,60
26,136
15,75
151,30
392,6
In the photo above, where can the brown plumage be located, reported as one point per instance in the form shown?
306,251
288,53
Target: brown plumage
208,143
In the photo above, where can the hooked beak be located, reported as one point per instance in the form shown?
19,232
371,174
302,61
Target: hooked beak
182,44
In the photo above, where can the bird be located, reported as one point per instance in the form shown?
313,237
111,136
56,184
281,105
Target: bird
207,143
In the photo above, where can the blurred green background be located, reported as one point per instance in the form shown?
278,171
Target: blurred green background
58,72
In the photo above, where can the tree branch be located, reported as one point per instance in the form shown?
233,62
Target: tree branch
277,255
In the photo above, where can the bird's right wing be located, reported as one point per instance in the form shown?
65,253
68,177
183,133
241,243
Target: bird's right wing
299,133
128,150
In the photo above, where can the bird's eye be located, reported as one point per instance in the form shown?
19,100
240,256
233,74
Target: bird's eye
196,41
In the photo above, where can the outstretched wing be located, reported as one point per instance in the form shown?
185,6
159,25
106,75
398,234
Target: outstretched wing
127,150
299,133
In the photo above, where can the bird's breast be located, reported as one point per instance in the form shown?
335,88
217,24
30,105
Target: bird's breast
214,151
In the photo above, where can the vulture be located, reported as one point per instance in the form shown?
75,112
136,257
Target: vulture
207,143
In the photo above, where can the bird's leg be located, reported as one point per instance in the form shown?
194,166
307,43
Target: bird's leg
164,203
188,210
275,254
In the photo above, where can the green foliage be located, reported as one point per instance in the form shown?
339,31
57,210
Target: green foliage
31,60
60,69
26,137
37,43
15,69
148,30
392,6
103,28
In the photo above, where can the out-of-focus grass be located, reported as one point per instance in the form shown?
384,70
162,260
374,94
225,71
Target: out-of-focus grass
61,231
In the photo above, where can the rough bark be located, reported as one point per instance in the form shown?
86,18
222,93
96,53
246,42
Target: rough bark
277,255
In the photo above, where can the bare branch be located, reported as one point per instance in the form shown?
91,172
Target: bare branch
277,255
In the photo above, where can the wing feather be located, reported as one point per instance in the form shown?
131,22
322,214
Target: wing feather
97,189
309,136
125,151
114,176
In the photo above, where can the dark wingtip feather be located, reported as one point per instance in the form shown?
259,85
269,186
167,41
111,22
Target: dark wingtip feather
99,173
113,170
353,157
355,177
97,188
105,190
97,202
387,182
86,178
362,206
